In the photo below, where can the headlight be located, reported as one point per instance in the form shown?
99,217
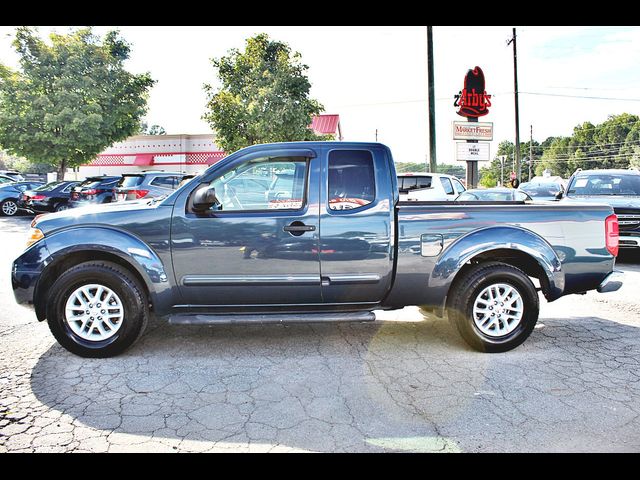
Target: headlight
35,234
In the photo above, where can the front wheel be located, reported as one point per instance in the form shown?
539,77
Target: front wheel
97,309
61,207
494,306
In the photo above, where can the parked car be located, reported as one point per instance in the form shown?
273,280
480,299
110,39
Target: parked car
550,191
148,184
429,187
5,180
93,190
51,197
13,174
497,194
617,188
10,194
342,247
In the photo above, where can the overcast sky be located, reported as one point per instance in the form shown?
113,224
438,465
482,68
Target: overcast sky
376,77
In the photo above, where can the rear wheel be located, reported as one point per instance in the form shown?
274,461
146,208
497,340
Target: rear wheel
61,207
97,309
494,306
9,207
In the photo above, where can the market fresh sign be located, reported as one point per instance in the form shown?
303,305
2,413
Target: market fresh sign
472,151
473,131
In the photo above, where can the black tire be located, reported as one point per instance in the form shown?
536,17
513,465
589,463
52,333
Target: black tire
466,290
126,287
61,206
11,207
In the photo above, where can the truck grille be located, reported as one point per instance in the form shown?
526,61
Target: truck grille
628,222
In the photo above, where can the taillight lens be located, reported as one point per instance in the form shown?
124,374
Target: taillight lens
37,197
612,234
138,193
91,191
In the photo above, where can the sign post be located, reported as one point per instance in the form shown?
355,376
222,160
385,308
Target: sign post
473,102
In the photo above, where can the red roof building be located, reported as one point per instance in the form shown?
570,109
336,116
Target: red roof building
327,125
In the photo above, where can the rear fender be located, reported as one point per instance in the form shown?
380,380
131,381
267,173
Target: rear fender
488,239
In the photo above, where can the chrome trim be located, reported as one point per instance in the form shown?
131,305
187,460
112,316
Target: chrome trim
632,238
611,282
354,278
204,280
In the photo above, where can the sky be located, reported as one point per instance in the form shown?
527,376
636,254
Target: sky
375,78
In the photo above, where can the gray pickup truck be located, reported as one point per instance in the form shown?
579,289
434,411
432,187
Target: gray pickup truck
307,232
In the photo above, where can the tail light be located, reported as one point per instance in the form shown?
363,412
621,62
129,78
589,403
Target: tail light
36,197
91,191
612,234
138,193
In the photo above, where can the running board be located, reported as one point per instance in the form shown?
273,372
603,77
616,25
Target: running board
244,319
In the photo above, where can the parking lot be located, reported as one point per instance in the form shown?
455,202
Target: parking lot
406,383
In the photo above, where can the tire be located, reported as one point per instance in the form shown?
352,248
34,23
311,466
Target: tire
128,305
61,206
9,207
474,311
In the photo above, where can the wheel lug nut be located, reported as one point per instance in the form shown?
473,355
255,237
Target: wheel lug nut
90,318
98,305
91,305
87,312
99,318
103,312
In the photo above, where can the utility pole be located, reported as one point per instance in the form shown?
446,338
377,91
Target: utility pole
376,134
432,103
530,150
515,87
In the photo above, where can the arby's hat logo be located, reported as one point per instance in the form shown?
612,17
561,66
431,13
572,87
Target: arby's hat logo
473,99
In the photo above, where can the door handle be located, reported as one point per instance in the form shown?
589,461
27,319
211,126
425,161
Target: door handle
298,228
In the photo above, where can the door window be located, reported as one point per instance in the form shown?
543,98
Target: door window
263,184
446,184
352,181
458,186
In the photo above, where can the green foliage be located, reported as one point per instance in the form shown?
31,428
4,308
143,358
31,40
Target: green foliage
612,144
70,98
264,96
145,129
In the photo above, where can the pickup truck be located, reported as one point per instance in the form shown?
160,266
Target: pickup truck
322,238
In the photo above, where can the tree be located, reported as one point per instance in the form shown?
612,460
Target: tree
264,96
70,98
145,129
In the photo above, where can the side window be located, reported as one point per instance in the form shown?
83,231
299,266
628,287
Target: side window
164,182
352,181
446,184
263,184
458,186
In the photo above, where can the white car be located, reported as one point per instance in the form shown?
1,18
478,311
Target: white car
429,187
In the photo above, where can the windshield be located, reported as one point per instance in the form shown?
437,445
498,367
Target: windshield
541,189
605,184
47,187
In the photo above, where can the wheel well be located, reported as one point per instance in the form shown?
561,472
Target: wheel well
65,263
515,258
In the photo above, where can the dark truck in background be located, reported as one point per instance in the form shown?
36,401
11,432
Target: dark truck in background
323,238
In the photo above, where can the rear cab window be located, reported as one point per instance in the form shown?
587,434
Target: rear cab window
413,182
127,181
351,183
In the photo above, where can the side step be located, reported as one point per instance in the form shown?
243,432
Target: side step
244,319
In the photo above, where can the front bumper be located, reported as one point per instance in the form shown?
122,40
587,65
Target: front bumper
611,282
629,240
26,270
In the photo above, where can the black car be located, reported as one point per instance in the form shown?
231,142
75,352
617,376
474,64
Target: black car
93,190
617,188
52,197
10,195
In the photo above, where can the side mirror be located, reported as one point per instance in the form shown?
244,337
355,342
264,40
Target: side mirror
559,195
204,198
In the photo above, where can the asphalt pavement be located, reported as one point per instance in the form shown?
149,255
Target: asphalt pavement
405,383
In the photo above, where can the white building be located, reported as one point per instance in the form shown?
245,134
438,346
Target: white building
175,153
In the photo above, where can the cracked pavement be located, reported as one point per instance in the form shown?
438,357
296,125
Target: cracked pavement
406,383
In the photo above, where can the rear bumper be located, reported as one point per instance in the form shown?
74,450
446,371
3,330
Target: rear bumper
611,282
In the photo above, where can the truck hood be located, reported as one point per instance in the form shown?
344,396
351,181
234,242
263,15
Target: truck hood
615,201
112,214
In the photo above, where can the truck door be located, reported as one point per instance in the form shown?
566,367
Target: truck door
357,226
259,246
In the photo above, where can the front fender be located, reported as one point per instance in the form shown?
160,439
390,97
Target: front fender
487,239
129,248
